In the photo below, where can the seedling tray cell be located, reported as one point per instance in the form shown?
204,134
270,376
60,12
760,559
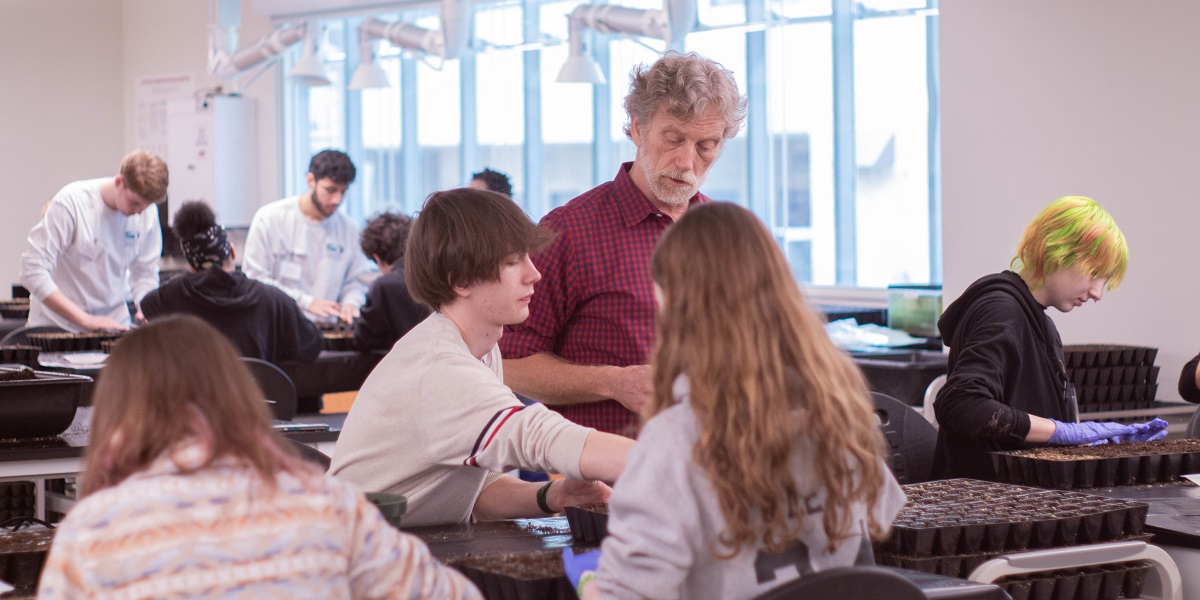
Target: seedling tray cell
26,355
589,523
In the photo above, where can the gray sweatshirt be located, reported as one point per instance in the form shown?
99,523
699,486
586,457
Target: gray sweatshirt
664,520
437,425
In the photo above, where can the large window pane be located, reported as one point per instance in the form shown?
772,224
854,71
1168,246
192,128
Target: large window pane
568,121
886,115
439,125
891,107
800,76
500,95
726,179
379,161
567,134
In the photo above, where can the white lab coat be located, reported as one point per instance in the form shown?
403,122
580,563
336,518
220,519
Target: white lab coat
98,257
307,259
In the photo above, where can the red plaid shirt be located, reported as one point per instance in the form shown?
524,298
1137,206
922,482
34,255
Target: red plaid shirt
595,302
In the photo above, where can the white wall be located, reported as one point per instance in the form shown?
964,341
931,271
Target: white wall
164,37
60,107
68,70
1042,99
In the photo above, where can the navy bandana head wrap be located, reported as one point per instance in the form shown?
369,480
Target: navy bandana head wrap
207,249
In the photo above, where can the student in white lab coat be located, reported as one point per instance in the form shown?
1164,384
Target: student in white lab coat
96,246
304,247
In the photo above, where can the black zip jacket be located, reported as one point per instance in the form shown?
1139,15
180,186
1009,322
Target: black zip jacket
388,313
1005,364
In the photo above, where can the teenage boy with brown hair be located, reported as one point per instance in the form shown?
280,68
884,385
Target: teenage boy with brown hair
434,421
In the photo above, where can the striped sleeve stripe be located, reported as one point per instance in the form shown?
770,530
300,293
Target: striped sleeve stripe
489,432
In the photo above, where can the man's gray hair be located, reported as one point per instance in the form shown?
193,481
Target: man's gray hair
685,86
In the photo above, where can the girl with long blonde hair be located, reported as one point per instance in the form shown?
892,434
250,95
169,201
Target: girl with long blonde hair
187,492
759,449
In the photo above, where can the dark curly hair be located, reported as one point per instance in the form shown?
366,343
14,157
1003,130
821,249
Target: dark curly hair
384,237
495,181
192,218
333,165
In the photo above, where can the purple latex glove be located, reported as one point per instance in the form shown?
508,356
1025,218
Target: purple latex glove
1145,432
1087,432
580,567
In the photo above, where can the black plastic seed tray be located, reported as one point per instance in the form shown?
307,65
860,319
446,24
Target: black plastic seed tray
42,406
962,565
71,342
339,341
1125,393
589,522
966,516
1104,355
529,576
1082,467
1102,582
17,499
1109,376
15,309
26,355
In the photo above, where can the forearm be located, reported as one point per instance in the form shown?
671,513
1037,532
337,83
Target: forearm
603,456
554,381
508,498
61,304
1040,430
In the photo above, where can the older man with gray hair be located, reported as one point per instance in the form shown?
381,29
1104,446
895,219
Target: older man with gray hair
585,347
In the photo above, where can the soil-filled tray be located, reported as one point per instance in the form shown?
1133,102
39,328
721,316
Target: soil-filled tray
1123,580
72,342
589,522
338,336
42,406
526,576
1108,465
966,516
26,355
16,374
1104,355
22,555
339,340
15,309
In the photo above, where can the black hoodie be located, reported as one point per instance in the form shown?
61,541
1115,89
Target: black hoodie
261,321
1005,364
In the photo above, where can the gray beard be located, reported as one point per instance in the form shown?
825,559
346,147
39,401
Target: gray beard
666,194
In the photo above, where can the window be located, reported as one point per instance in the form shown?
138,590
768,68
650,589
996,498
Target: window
835,156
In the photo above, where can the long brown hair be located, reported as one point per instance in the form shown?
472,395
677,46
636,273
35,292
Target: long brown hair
176,379
765,378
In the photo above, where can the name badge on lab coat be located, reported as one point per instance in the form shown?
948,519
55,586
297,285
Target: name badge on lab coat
289,270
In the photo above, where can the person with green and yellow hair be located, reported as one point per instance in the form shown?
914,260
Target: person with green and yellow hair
1007,386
